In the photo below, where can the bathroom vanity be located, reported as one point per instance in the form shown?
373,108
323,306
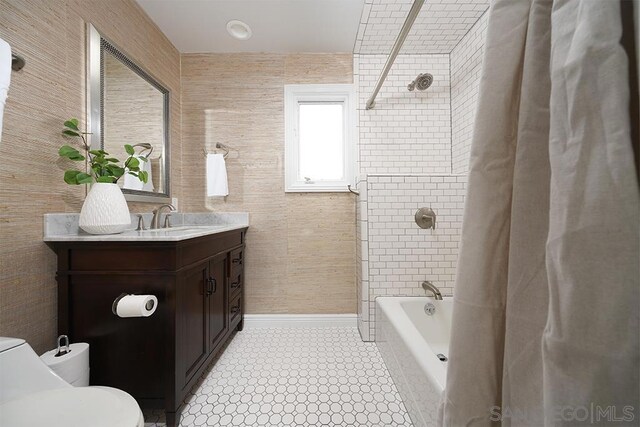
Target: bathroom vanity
196,273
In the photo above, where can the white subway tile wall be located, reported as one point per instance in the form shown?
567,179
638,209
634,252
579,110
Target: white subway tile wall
399,251
362,262
402,255
438,28
406,159
406,132
466,66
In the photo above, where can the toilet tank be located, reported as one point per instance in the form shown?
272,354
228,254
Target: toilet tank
22,372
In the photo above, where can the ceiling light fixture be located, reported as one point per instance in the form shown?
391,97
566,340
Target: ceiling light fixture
239,30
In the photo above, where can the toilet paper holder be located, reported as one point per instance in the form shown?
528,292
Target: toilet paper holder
62,351
114,307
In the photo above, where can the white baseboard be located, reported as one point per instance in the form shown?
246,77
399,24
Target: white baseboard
300,320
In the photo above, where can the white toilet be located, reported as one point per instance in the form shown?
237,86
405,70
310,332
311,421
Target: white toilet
31,394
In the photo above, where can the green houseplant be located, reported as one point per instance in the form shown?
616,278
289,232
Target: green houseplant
103,168
105,209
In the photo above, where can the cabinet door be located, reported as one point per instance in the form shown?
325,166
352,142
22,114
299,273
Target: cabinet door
218,318
193,309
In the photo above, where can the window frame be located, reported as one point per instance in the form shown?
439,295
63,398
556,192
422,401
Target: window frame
294,95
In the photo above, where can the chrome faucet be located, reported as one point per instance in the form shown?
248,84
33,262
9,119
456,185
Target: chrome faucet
155,221
428,286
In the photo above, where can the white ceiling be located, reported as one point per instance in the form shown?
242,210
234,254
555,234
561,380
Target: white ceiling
359,26
277,25
440,25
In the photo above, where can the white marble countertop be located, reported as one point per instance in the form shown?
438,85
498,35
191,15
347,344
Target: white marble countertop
64,228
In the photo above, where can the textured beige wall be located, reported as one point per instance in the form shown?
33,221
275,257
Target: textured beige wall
50,35
300,246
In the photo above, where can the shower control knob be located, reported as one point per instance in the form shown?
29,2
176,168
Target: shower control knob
425,218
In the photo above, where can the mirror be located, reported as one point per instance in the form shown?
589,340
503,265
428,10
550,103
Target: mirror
128,106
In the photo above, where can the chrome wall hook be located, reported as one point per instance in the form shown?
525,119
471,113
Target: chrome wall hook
17,62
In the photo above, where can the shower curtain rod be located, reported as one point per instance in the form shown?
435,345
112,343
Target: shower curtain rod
406,27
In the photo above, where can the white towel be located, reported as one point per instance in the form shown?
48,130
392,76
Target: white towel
133,183
216,176
5,76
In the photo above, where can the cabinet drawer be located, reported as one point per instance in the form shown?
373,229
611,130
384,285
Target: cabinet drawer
237,261
235,283
200,248
110,256
235,309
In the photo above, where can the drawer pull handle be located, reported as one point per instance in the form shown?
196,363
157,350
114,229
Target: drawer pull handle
212,286
237,261
235,309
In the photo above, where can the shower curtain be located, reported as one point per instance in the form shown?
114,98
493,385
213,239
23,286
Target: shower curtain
545,323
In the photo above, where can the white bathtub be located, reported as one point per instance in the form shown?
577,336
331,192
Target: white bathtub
410,341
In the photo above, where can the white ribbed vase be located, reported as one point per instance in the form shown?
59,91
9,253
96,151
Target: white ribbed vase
105,210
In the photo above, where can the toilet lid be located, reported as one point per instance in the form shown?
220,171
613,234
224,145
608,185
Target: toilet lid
72,407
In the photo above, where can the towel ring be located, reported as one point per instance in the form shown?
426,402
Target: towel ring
223,147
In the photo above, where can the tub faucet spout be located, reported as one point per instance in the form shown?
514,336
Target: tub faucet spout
428,286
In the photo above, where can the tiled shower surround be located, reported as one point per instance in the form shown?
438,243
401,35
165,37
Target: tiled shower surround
399,251
466,65
413,151
406,132
397,254
437,29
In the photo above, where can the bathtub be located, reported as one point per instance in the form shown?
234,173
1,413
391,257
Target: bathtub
410,342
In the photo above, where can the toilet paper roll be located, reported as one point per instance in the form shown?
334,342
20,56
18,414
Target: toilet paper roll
70,366
136,306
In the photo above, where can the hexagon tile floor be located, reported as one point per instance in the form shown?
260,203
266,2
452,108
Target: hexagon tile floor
294,377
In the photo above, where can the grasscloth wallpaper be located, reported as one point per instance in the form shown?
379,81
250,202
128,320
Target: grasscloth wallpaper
300,246
51,36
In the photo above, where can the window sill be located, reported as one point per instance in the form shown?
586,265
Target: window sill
317,189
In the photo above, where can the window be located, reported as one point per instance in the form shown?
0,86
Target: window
319,134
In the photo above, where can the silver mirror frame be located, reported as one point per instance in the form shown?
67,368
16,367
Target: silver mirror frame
95,116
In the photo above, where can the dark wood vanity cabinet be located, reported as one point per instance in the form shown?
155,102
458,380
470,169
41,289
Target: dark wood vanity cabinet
202,304
157,359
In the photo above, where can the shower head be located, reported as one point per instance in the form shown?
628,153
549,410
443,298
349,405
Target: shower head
422,82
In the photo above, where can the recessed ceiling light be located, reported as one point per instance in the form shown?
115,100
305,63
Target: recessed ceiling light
239,30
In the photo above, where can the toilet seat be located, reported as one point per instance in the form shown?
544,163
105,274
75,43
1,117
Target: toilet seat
73,407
